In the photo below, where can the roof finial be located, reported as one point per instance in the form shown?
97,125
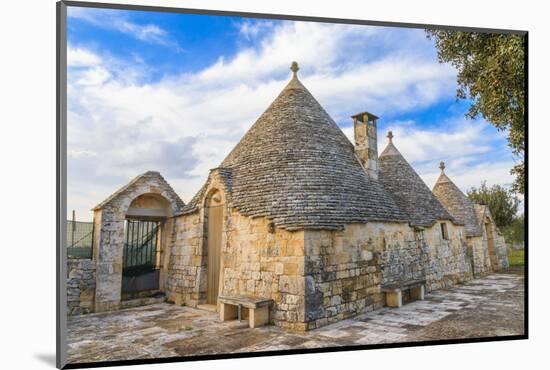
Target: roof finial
442,166
294,68
390,136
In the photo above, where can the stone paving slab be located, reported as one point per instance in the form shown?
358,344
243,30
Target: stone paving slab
490,306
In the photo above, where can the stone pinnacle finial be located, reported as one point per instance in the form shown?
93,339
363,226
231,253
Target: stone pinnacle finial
390,136
294,68
442,166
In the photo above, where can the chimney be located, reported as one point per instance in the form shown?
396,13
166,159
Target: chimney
366,148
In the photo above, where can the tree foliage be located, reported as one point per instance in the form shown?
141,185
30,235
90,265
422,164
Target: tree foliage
491,73
502,202
515,232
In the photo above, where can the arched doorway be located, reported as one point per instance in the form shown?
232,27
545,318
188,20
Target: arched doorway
144,226
491,244
147,196
214,229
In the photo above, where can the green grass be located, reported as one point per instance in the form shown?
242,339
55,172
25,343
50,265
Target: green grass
516,257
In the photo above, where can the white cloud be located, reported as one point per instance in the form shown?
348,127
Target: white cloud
453,138
115,20
184,125
313,45
251,29
149,32
472,151
78,57
466,177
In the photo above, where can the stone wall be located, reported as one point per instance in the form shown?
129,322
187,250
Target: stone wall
492,240
448,261
315,277
411,254
481,262
266,264
254,262
80,286
186,272
501,252
343,270
404,255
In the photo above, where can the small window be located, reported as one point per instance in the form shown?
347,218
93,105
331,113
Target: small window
444,232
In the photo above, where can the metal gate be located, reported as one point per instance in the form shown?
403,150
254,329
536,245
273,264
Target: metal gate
140,271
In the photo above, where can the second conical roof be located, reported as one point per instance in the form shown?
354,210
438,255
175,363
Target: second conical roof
458,204
408,190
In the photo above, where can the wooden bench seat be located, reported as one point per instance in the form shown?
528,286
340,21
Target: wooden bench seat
394,295
231,307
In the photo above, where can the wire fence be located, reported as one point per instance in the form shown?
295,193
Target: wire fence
79,239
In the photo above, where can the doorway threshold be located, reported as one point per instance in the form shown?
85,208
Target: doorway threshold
136,302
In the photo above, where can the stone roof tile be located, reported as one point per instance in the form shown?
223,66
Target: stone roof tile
457,203
408,190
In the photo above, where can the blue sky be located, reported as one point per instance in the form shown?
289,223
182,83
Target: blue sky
175,92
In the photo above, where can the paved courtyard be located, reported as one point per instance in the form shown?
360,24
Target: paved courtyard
491,306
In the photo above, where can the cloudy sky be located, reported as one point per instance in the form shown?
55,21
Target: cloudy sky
175,92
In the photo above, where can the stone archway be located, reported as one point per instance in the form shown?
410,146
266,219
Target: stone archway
147,219
148,196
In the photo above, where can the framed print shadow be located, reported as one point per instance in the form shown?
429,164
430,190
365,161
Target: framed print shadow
234,184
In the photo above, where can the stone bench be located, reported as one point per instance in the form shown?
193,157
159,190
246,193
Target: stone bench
231,307
394,295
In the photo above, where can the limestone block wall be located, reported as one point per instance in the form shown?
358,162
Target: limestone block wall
344,269
448,261
410,254
108,253
254,261
493,241
481,262
186,269
267,263
495,250
80,286
501,249
404,255
315,277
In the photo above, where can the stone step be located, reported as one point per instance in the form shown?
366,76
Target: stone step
141,302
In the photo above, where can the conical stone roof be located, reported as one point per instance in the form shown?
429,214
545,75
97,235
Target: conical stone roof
408,190
296,167
456,203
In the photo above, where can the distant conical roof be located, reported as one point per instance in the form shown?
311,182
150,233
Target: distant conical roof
408,190
296,167
456,203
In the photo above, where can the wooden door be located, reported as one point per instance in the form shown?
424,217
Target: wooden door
214,243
